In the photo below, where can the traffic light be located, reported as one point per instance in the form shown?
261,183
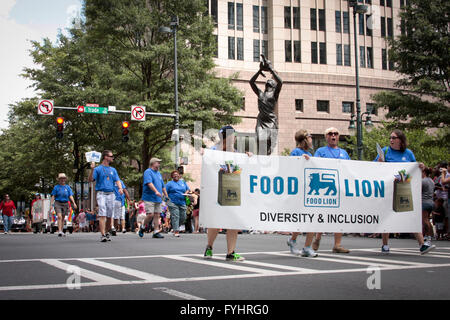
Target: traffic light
59,127
125,131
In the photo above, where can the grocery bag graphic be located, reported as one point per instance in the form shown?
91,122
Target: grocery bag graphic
229,190
402,199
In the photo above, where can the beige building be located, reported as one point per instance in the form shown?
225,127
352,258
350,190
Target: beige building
311,45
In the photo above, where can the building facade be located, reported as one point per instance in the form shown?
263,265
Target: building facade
311,46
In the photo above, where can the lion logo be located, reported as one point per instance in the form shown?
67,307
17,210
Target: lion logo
326,181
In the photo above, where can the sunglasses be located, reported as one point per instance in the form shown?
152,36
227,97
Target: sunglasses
333,133
111,156
393,138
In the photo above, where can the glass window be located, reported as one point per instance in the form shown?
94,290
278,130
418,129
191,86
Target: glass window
346,22
323,106
255,18
361,23
216,49
322,26
231,15
299,105
214,9
264,25
296,17
338,54
347,107
390,27
389,3
288,50
265,48
313,18
347,60
368,26
337,19
362,56
369,57
240,48
256,52
287,17
370,107
383,26
384,59
323,53
231,48
314,52
297,51
239,17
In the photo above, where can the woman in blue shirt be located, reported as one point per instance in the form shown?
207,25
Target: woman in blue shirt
397,152
61,194
304,143
176,190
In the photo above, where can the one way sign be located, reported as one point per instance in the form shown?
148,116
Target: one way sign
138,113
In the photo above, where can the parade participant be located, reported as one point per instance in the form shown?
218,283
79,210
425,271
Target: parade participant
152,194
105,177
61,194
119,208
303,143
196,211
226,143
427,202
8,210
331,151
177,190
140,214
397,151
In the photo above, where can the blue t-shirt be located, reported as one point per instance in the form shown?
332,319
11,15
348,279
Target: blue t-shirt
120,197
328,152
151,176
175,191
62,192
105,178
392,155
299,152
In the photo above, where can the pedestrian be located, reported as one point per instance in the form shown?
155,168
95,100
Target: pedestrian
105,177
397,151
61,194
119,208
303,141
196,211
153,191
141,215
82,221
438,218
427,202
331,151
443,191
226,143
177,191
8,209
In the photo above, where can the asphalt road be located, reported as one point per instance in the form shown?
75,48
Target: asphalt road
78,266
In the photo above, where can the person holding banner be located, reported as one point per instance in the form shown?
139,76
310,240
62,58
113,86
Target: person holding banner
61,194
177,190
303,141
397,151
226,143
106,177
331,151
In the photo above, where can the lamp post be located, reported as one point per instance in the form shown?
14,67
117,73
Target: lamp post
357,8
173,29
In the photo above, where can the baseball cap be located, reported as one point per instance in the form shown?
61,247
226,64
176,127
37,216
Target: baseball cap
226,130
153,160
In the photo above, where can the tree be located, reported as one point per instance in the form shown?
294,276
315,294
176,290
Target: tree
421,55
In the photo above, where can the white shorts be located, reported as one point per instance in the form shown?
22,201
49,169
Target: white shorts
105,202
152,207
140,218
119,210
83,224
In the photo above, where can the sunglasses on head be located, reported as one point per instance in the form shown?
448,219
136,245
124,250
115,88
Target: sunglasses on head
333,133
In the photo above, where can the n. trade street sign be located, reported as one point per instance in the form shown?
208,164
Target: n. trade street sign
92,108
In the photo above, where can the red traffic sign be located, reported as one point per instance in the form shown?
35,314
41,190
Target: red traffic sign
138,113
45,107
80,109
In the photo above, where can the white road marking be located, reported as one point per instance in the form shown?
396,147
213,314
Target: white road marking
178,294
378,260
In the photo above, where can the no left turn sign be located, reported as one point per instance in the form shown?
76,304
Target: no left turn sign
138,113
45,107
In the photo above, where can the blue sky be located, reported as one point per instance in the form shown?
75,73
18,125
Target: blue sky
20,22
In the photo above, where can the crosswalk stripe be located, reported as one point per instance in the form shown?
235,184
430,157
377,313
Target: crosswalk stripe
178,294
279,266
389,261
125,270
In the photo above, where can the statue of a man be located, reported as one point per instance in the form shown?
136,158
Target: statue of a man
267,121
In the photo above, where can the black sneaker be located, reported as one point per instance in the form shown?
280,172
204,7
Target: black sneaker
103,239
158,235
113,232
108,238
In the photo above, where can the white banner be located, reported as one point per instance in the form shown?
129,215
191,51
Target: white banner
276,193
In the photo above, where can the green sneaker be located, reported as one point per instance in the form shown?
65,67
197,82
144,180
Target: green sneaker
234,257
208,253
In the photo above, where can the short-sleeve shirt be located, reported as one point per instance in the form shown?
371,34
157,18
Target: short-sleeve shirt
7,208
392,155
155,177
332,153
62,192
300,152
105,178
120,197
175,191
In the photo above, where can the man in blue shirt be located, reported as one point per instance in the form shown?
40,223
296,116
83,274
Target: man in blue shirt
61,194
119,208
153,190
105,177
332,151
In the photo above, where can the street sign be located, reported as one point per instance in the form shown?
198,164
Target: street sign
80,109
138,113
45,107
93,108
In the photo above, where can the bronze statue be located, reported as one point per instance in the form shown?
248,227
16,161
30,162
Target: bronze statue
267,121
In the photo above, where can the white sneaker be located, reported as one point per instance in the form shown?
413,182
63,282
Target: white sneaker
309,252
292,244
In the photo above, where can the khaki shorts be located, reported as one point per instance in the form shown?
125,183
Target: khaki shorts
152,207
62,208
141,218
